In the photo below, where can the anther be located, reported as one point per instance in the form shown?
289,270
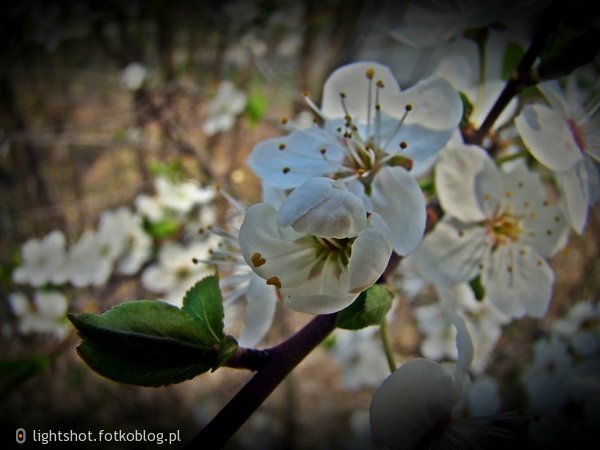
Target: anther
408,107
284,121
258,260
285,170
274,281
370,73
281,146
343,95
403,145
380,84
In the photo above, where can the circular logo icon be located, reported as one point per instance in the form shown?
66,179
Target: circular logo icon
21,435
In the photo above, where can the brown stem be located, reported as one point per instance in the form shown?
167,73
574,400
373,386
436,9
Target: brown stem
279,362
522,76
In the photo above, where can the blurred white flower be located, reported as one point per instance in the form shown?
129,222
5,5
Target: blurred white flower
497,226
91,260
181,197
133,76
47,314
223,109
361,357
44,261
321,250
581,327
565,137
175,271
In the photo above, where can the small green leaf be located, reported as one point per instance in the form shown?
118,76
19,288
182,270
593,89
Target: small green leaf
129,367
256,107
477,288
162,228
203,302
369,308
512,56
147,343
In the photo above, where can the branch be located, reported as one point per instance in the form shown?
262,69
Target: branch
278,362
522,76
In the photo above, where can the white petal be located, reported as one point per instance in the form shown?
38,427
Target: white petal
260,309
410,403
398,199
455,176
289,161
574,184
353,82
323,207
518,282
370,254
548,137
452,252
50,304
19,304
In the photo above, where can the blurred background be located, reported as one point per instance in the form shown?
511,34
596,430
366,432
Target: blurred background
100,98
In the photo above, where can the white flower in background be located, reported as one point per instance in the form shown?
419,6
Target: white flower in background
133,76
181,197
372,133
238,282
497,226
43,261
484,397
223,109
175,271
429,23
564,394
246,49
321,250
47,314
361,357
581,327
565,137
421,405
91,260
149,207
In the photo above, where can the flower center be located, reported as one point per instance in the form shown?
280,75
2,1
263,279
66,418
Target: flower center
503,228
577,134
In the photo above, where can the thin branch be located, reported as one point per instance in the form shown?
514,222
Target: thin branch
522,76
279,362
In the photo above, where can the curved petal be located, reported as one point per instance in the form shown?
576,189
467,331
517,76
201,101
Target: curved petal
451,253
398,199
304,198
260,309
274,253
411,402
548,137
370,254
455,176
352,81
287,162
518,281
576,195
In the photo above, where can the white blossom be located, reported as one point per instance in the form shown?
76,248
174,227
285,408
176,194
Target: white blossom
497,226
44,261
565,137
223,109
47,314
91,260
316,272
133,76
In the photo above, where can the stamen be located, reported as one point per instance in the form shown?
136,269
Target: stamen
370,74
407,109
312,105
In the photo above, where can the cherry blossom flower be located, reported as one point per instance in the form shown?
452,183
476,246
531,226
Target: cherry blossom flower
91,260
321,249
133,76
44,261
565,138
47,314
372,134
223,109
497,226
175,271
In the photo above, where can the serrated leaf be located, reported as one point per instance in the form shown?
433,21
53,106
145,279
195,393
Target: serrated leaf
368,309
147,343
203,302
129,367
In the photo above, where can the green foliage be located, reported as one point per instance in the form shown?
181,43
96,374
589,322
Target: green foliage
172,169
162,228
151,343
15,371
369,308
256,107
512,56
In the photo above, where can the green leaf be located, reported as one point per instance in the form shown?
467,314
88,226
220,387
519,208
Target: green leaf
15,371
204,304
512,56
256,107
162,228
144,342
477,288
369,308
127,367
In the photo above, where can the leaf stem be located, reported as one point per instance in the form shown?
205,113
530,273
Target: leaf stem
522,76
387,348
278,363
